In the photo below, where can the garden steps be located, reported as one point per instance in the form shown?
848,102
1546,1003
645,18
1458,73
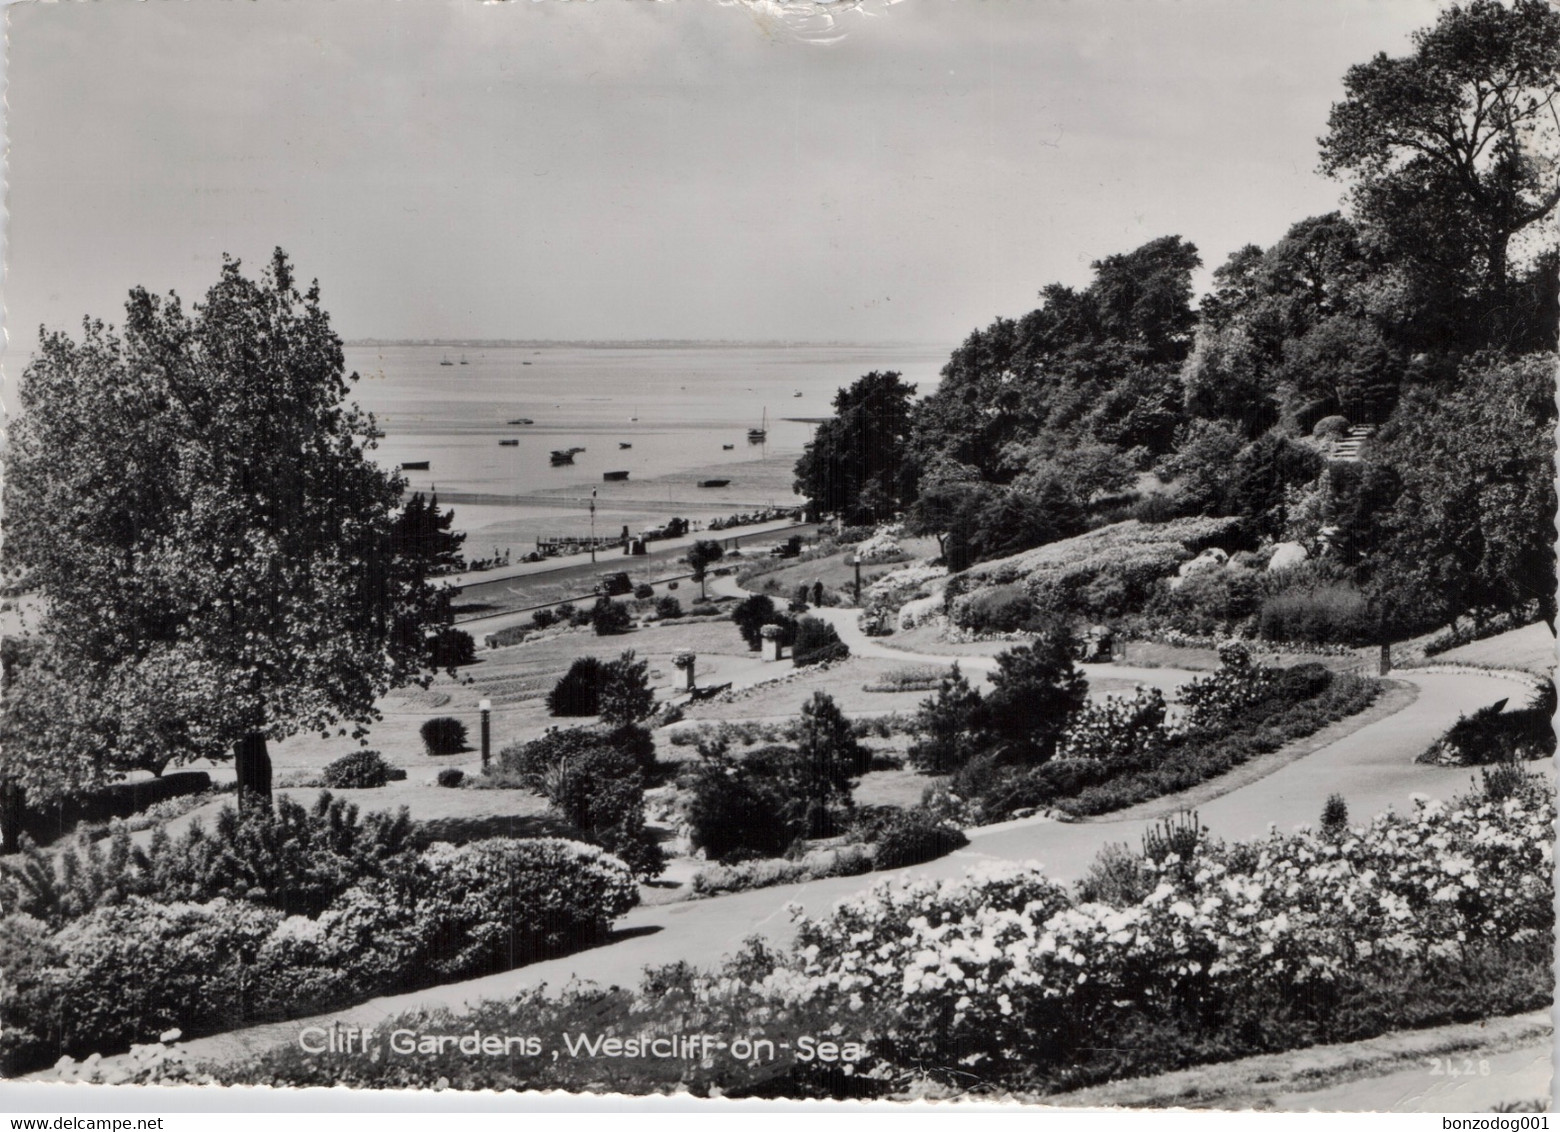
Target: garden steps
1348,446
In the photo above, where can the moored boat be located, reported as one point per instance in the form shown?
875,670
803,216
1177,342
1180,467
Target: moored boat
562,456
624,444
509,443
521,420
713,483
414,465
613,476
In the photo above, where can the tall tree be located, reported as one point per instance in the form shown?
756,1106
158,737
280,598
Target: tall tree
1452,150
191,501
855,465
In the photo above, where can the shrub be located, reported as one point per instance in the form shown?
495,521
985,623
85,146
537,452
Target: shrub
490,905
452,648
1323,614
131,971
644,591
1330,428
1122,731
611,618
1492,735
914,838
601,793
542,618
820,864
1116,877
946,732
578,691
451,776
634,741
625,695
732,808
1215,700
534,759
668,608
1002,609
751,615
1335,815
357,771
444,736
1035,690
816,641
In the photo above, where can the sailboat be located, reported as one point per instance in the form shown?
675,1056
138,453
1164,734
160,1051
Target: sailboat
463,360
757,435
446,361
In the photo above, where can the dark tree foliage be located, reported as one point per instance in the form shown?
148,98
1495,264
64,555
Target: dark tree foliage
751,615
1036,689
947,736
1099,363
856,463
1449,151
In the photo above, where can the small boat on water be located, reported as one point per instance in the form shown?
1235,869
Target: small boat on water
624,444
525,363
509,443
611,477
446,361
572,451
414,466
463,360
728,447
757,435
521,420
562,456
713,483
798,393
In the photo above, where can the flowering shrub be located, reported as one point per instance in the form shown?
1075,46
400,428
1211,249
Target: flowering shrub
846,861
881,547
487,905
359,770
1215,700
921,611
1004,970
1120,730
909,583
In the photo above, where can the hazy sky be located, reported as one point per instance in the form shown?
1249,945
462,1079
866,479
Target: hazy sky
624,169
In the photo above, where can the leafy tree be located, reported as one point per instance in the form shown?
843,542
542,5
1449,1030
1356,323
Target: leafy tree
733,808
1035,690
816,641
578,691
223,572
625,691
1451,149
948,499
751,615
856,464
600,791
1473,528
701,555
946,727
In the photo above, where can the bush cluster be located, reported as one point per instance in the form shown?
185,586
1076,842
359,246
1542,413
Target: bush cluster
1494,735
1150,965
444,736
815,642
275,914
359,770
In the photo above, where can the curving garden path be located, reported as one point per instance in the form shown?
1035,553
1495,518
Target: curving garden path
1371,765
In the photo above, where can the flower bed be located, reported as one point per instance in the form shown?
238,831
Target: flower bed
1006,981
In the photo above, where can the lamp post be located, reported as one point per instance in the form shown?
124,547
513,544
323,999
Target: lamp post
856,562
593,525
486,707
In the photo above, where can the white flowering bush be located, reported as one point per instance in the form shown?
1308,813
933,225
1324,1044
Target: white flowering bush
881,547
1239,683
910,583
1004,968
921,611
1118,730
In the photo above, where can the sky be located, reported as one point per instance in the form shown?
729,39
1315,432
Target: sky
621,169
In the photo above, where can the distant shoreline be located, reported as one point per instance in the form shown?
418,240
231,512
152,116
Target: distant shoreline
632,343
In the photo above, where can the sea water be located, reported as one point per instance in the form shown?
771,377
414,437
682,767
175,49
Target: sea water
678,406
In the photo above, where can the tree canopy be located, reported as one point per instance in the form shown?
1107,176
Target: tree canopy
191,500
1451,150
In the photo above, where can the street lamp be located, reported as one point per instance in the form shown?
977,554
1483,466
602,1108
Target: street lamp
486,707
593,524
